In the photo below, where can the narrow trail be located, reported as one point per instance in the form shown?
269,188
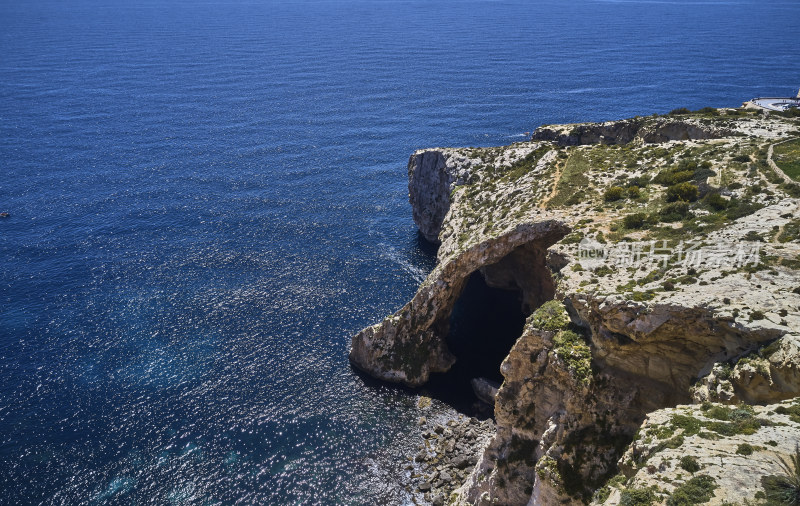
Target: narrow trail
774,166
556,180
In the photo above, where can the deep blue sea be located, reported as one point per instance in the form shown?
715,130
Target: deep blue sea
209,198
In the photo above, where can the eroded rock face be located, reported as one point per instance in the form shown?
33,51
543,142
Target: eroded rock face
667,344
568,407
432,175
630,339
410,345
624,131
770,375
733,447
548,440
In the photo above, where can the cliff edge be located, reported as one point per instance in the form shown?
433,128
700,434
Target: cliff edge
653,263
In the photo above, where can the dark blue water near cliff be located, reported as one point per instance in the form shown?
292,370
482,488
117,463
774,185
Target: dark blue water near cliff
209,198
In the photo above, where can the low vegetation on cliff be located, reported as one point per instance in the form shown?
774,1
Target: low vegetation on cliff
657,260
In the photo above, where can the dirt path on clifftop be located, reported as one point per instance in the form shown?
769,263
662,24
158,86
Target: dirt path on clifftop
556,179
774,165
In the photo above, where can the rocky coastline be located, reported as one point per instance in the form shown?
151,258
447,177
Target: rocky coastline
451,449
655,263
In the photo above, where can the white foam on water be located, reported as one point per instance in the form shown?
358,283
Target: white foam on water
389,252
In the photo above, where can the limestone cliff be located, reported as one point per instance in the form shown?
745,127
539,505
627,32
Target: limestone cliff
726,453
656,261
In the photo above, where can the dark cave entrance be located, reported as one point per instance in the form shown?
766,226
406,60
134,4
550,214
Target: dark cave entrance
487,319
484,325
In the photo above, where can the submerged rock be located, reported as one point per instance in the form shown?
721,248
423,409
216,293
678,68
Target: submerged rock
485,390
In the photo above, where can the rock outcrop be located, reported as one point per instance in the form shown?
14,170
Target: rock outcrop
485,390
647,130
410,345
432,175
732,449
652,275
770,375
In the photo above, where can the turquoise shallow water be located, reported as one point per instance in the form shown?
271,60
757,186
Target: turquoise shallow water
209,198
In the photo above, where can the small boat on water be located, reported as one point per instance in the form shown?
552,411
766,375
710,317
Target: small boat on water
4,215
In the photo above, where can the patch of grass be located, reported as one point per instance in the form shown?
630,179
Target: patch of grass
573,179
793,412
739,209
787,157
527,163
790,232
689,424
550,316
576,353
737,420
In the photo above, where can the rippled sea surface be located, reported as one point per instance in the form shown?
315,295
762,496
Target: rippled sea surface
209,198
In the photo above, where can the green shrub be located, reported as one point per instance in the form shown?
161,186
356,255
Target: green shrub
689,463
632,192
636,220
785,489
698,490
603,270
753,236
614,193
673,176
744,449
716,202
791,231
679,110
689,424
637,497
792,112
686,192
707,110
674,212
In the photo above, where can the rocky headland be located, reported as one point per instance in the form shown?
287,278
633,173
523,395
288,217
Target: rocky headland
654,267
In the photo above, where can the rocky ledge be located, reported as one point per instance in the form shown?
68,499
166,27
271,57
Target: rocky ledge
653,263
448,456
